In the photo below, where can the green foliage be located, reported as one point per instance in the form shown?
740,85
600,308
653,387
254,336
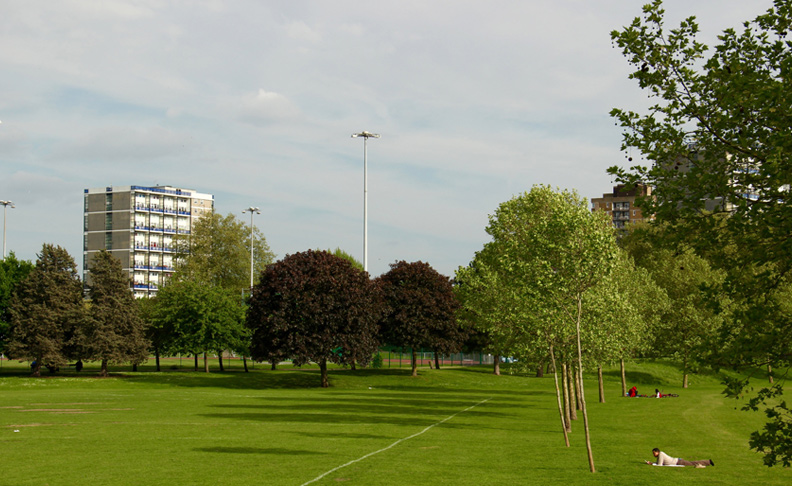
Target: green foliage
342,254
314,306
217,253
201,318
112,331
12,271
718,142
46,310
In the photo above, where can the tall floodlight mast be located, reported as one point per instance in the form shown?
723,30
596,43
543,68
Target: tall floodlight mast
366,135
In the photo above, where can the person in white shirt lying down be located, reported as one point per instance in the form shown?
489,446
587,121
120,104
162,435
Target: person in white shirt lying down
664,459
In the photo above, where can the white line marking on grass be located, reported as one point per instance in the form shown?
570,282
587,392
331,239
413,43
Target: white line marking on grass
394,444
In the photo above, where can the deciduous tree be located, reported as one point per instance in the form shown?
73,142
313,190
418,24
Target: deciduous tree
12,272
420,310
314,306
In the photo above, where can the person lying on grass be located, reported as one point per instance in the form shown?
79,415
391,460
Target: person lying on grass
664,459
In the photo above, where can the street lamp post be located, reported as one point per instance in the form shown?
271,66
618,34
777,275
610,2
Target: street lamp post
251,210
366,135
5,216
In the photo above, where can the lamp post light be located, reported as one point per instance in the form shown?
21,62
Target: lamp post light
5,216
251,210
366,135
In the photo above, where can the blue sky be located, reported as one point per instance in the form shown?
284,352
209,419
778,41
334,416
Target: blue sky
255,103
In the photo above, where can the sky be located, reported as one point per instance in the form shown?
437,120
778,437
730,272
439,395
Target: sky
255,102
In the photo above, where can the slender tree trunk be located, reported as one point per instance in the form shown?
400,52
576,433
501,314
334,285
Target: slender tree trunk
684,373
323,369
220,360
582,391
770,373
414,363
571,389
601,385
623,377
206,362
103,371
157,358
274,364
567,403
134,366
496,365
558,398
196,361
244,363
578,391
437,360
540,370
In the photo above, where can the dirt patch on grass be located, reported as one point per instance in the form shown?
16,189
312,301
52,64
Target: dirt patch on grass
57,410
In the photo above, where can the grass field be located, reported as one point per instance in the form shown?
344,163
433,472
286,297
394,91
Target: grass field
456,426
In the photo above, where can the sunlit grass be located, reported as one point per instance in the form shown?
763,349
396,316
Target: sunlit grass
279,428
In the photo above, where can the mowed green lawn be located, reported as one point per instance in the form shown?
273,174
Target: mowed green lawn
451,426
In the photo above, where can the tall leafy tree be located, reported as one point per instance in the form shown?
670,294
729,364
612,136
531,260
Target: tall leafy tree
718,131
204,318
12,272
314,306
420,310
46,310
552,242
112,332
217,252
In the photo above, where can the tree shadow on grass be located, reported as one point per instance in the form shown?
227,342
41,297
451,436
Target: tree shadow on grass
635,377
257,450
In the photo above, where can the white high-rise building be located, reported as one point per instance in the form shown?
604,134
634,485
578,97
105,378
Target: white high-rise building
137,225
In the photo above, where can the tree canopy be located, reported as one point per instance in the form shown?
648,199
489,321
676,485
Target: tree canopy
112,331
46,310
420,310
314,306
217,252
717,143
12,272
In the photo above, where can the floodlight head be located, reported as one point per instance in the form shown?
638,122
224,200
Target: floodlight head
366,134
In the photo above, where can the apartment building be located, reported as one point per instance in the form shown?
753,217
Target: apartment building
620,204
137,225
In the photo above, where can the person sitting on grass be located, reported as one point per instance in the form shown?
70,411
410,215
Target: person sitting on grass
633,392
664,459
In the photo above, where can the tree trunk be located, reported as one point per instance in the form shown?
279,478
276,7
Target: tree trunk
565,384
353,365
540,370
578,391
558,398
684,373
220,360
134,366
601,385
157,358
582,391
323,369
274,364
571,387
196,361
244,363
437,360
770,373
496,365
623,378
103,371
206,362
414,363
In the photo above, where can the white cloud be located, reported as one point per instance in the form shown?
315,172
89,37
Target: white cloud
264,107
